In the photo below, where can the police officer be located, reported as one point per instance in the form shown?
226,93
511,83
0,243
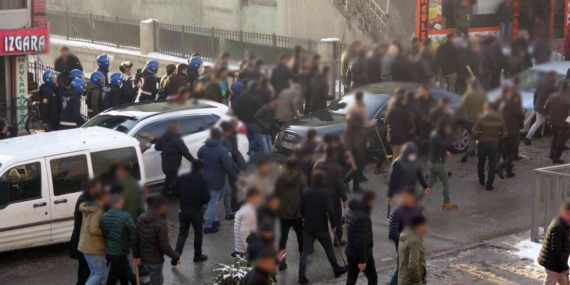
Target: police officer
70,115
193,73
149,89
49,101
96,82
103,61
129,89
111,93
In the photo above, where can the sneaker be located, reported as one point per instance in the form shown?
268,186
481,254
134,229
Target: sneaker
216,224
449,206
282,266
489,188
174,262
211,230
558,161
510,175
527,141
303,280
230,217
342,243
500,171
340,271
200,258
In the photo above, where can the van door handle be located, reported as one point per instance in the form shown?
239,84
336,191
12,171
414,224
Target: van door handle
40,205
60,201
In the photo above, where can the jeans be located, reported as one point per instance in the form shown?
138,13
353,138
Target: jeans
540,119
511,153
369,271
437,171
212,209
171,175
226,196
98,268
286,225
83,271
487,150
558,144
506,31
187,219
325,240
250,134
394,278
264,143
117,270
155,273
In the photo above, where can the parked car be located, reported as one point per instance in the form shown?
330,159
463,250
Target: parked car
42,176
376,97
150,119
530,79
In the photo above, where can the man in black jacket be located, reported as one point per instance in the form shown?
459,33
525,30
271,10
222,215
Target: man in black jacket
265,124
248,105
407,172
556,249
360,239
175,81
173,149
83,272
446,59
358,71
541,95
193,193
374,63
558,109
281,75
263,270
150,240
64,64
316,207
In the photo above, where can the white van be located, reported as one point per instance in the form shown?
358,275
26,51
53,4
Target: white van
42,175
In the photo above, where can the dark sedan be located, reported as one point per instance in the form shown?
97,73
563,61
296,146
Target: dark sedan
376,96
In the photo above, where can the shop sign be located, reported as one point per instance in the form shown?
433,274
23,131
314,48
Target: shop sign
422,19
21,91
24,41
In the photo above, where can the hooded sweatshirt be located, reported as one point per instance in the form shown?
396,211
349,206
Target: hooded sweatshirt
173,148
411,258
217,164
360,239
91,239
150,241
405,173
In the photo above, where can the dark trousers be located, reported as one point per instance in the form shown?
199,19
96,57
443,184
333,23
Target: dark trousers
83,271
187,219
510,153
325,240
559,138
369,271
286,225
118,270
487,150
171,175
356,175
337,218
308,98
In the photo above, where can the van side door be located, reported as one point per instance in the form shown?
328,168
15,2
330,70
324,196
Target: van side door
67,175
24,205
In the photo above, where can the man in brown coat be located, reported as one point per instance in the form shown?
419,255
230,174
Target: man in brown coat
558,107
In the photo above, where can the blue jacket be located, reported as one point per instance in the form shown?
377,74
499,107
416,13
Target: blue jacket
217,164
238,88
400,218
70,112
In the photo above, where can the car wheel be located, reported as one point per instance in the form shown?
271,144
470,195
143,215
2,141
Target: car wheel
461,139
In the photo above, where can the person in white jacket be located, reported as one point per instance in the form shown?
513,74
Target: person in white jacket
246,221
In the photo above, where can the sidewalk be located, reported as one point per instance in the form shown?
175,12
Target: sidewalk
506,260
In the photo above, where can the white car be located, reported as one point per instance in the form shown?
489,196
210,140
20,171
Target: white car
530,79
196,117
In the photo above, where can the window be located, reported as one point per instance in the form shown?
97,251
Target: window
154,130
69,174
104,162
13,4
210,120
191,126
21,183
111,122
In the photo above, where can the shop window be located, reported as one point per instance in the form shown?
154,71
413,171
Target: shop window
13,4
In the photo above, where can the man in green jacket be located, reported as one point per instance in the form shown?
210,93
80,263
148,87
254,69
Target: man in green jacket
117,227
412,253
132,192
462,16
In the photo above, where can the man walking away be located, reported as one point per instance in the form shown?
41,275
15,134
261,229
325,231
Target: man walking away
132,191
446,59
92,243
399,122
118,228
472,105
558,107
412,253
263,270
489,130
281,75
173,149
289,189
556,249
406,172
217,165
150,240
316,208
441,145
320,90
192,190
514,120
245,221
541,95
360,240
265,124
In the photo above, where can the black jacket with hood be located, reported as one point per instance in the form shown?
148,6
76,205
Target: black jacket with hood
405,173
150,241
360,239
173,149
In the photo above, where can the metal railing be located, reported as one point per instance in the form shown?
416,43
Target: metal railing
367,14
551,189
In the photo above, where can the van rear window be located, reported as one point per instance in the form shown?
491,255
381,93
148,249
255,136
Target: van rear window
105,163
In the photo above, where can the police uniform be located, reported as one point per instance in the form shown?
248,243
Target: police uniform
93,99
110,96
149,89
70,115
49,106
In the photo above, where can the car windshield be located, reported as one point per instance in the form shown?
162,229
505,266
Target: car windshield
111,122
531,78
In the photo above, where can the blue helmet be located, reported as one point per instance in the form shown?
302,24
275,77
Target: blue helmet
48,76
152,66
195,62
103,61
115,79
98,78
76,73
78,85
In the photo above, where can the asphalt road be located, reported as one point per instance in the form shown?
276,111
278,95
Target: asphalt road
482,215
